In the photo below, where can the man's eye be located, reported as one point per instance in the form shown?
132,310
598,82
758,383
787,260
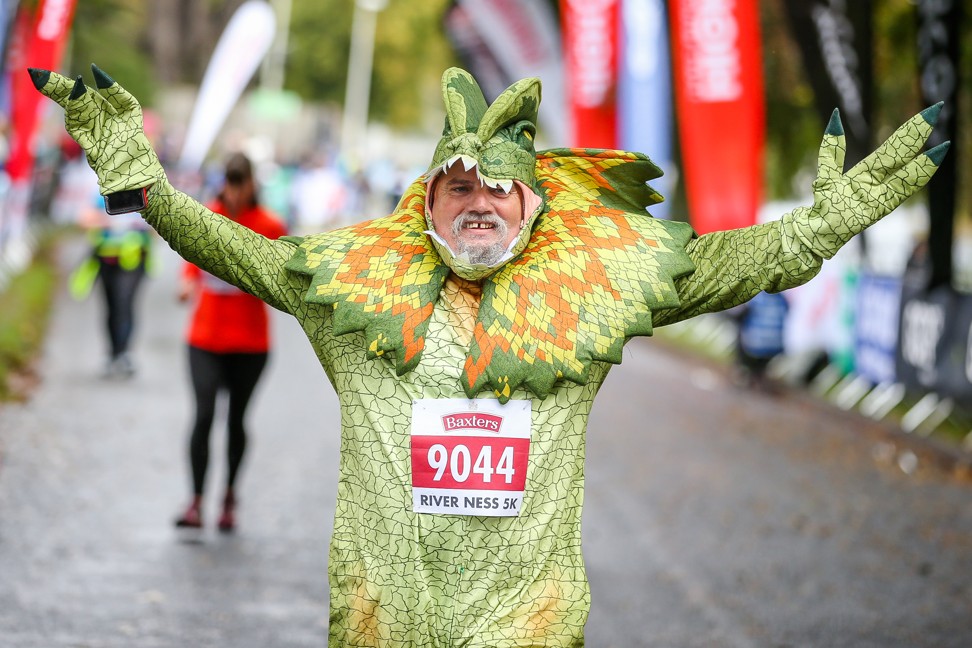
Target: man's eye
499,192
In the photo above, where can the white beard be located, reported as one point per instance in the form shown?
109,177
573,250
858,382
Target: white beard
485,254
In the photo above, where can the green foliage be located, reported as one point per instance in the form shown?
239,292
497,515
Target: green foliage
411,52
793,127
108,33
319,42
24,309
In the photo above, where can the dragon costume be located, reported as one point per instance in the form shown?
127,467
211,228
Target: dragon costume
414,337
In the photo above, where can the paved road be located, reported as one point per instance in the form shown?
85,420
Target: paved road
713,517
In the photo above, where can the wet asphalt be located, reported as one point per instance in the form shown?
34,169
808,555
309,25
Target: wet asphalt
713,516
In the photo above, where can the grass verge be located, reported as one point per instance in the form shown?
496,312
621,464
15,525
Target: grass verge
25,307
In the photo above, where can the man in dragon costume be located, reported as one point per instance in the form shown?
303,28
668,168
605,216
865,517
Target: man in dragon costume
467,333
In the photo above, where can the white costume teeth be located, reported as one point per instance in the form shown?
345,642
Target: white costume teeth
505,185
467,164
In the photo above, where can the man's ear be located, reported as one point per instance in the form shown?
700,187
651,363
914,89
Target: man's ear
430,197
430,191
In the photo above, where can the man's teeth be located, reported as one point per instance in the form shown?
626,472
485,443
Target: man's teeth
479,226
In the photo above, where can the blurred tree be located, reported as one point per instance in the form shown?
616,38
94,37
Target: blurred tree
410,53
110,34
182,34
149,44
793,128
317,56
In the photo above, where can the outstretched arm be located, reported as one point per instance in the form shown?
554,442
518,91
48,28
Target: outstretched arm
107,123
732,266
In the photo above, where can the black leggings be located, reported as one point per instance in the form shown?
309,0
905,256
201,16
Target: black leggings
238,374
120,287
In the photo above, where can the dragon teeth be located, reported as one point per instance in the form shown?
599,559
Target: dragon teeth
470,163
467,162
505,185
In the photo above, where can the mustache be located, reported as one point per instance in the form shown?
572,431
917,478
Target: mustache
466,217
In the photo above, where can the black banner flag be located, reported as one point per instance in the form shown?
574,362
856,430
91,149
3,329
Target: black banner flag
938,66
835,39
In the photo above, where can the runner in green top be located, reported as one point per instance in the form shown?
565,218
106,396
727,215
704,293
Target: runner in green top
467,333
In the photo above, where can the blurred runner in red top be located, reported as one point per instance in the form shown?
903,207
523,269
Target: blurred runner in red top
229,342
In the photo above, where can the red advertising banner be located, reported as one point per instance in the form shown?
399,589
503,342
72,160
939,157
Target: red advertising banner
43,49
720,109
590,30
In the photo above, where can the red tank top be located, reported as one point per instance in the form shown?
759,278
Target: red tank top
225,319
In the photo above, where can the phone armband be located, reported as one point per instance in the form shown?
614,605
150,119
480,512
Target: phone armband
122,202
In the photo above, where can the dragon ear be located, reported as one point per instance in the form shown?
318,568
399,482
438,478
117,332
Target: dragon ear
464,101
519,102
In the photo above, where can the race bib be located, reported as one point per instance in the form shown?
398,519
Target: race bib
469,457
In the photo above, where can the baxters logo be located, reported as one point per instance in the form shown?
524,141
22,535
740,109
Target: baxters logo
472,421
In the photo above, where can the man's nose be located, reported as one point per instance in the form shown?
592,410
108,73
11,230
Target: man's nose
480,200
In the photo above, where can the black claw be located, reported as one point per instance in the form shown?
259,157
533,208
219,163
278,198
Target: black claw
937,154
78,89
834,127
39,77
931,112
102,80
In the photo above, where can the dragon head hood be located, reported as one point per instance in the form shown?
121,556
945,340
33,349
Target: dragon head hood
496,140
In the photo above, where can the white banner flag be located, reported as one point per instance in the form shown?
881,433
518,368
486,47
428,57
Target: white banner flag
240,49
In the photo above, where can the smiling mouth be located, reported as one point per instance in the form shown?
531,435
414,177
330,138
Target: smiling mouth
479,226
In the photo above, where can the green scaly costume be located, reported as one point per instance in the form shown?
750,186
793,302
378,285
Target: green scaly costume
395,316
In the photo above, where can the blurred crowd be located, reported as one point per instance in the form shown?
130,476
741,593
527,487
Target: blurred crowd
314,193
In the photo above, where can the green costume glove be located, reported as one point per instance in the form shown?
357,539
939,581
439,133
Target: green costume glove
108,126
845,204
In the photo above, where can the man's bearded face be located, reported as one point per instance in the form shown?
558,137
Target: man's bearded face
473,217
471,231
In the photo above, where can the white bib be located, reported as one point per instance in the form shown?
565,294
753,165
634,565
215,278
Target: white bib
469,457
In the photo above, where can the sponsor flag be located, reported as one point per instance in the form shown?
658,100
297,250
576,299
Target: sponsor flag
43,48
240,49
590,30
836,42
939,23
38,40
645,90
925,328
878,302
8,9
719,98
